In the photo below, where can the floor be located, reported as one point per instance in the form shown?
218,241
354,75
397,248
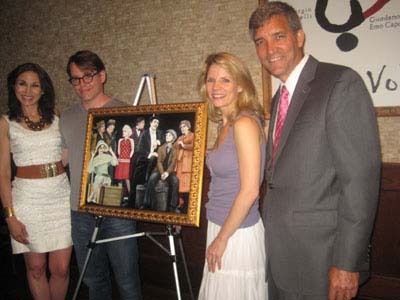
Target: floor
14,286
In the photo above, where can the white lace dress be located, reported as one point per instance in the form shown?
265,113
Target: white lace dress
41,204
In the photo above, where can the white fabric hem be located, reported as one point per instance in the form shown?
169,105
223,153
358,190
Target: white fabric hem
242,276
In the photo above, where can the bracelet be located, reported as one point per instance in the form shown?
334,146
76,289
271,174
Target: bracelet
8,212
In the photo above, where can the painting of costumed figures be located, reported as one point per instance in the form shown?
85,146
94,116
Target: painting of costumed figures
142,160
102,157
184,146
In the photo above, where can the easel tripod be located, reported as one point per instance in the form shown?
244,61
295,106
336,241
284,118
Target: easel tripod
171,231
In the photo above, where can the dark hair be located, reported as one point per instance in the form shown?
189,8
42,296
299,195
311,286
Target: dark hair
46,100
265,12
86,60
139,119
154,117
111,122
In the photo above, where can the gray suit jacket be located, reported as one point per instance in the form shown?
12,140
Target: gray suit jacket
323,185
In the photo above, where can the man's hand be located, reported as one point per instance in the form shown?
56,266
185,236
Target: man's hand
164,175
343,285
155,154
156,143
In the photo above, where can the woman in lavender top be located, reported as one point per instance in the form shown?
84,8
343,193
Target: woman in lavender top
235,254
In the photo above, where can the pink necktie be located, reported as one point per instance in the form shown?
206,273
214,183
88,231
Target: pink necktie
282,112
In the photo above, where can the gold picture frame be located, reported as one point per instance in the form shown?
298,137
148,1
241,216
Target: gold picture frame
150,175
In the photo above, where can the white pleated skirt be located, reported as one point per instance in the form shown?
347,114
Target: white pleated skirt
242,276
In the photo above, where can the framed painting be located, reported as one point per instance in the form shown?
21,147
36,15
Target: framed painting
145,162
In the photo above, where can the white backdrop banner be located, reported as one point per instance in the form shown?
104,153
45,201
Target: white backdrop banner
361,34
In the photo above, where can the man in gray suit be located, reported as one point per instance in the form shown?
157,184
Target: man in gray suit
323,166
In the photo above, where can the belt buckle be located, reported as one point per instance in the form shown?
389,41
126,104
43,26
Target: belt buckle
50,170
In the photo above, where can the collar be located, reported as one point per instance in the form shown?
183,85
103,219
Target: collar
293,78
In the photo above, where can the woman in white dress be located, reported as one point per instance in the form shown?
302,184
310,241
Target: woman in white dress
235,256
36,203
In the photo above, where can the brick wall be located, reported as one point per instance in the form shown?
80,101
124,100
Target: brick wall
168,37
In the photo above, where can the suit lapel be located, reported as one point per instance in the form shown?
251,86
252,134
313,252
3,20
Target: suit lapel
299,97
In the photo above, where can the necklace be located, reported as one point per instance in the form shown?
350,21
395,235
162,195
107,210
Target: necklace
35,126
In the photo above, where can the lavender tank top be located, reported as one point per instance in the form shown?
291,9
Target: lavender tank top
225,181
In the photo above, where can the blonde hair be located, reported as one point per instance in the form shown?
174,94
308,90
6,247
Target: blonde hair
128,129
247,99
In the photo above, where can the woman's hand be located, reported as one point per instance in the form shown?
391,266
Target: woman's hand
17,230
214,253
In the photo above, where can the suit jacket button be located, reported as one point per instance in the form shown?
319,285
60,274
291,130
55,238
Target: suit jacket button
271,186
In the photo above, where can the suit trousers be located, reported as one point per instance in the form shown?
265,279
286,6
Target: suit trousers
275,293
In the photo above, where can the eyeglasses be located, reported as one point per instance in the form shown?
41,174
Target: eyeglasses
87,78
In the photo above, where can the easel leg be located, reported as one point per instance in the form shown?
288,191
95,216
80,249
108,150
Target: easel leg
91,246
173,256
185,266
